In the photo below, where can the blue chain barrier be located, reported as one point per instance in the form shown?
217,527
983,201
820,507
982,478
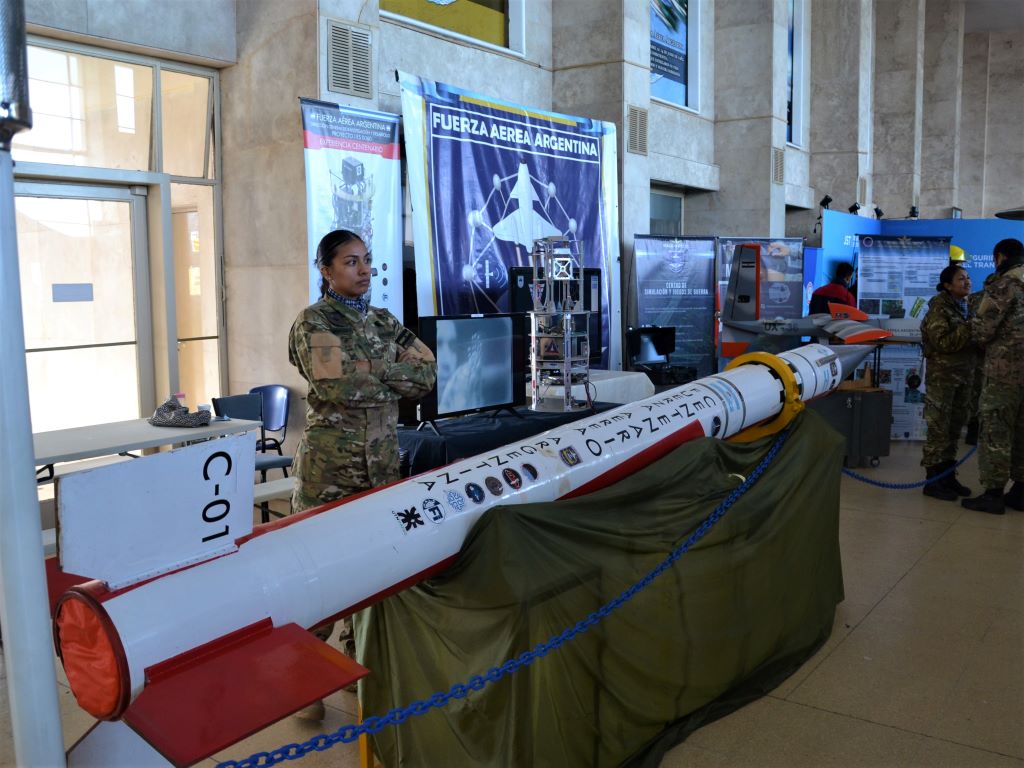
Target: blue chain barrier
349,733
908,486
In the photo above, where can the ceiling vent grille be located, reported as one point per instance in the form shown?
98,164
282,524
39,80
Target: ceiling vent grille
637,141
349,60
778,166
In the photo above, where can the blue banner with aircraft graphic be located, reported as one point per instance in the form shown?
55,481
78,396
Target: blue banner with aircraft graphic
487,178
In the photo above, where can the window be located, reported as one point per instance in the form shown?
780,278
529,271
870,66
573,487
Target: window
494,22
795,74
675,52
87,111
124,90
187,111
666,213
96,108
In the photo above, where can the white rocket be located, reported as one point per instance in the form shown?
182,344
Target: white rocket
198,658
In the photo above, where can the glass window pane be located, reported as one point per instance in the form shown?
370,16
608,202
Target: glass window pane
199,371
666,214
195,275
77,280
185,109
87,111
80,387
485,20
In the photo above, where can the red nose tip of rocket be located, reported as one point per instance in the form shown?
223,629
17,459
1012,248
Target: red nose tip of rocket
92,655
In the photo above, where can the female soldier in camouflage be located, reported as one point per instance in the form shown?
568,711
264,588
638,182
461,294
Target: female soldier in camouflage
949,379
358,361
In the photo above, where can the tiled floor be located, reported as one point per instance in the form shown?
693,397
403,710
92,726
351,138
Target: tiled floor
925,666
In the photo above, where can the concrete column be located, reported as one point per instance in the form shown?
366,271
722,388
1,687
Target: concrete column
750,112
1004,151
940,126
602,79
841,65
264,201
973,117
898,110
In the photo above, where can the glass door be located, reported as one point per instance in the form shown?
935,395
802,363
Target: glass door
82,253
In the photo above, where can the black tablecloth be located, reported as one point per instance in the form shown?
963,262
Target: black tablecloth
469,435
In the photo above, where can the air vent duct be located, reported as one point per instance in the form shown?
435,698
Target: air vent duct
349,60
637,139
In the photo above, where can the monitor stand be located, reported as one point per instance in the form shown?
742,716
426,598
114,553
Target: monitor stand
429,423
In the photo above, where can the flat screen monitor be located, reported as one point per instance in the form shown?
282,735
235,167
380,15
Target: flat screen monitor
480,363
521,300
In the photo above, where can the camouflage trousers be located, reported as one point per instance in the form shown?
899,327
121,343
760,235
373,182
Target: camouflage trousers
357,453
947,404
1001,433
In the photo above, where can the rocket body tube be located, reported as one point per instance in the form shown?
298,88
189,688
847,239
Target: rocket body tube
325,562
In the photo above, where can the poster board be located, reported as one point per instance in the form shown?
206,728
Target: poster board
354,182
675,286
896,278
782,273
486,178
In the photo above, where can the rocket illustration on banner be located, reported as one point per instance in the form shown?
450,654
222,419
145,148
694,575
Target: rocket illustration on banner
196,659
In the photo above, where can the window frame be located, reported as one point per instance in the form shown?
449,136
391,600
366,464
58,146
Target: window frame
159,201
693,68
516,30
800,71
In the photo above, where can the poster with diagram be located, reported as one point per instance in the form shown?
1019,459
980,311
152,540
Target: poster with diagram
354,182
487,177
896,278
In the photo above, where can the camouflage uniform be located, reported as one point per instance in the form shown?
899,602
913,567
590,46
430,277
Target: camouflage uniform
999,326
949,383
357,368
973,302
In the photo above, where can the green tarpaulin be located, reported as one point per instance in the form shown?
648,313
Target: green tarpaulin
727,622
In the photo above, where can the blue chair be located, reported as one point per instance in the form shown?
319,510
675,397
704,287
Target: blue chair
251,407
275,416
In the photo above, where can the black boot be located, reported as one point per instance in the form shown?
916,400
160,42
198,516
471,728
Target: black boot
938,489
1015,498
990,501
972,432
950,480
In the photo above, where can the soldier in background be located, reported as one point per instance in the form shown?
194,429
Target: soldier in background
952,358
999,326
973,302
358,361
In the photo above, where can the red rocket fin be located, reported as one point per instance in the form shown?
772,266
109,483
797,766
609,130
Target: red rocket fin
845,312
58,582
201,702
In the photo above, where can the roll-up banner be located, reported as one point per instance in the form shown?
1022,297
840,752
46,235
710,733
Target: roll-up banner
487,177
354,182
896,278
782,273
675,285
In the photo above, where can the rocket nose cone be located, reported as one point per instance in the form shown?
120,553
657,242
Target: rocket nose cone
850,356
